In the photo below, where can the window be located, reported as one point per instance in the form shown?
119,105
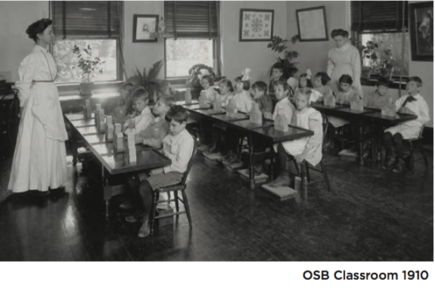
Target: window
382,22
192,36
83,23
182,54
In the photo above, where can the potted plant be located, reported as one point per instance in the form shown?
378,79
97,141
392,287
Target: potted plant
87,66
279,45
376,60
150,81
196,72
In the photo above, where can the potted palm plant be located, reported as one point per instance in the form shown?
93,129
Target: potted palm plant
150,81
87,66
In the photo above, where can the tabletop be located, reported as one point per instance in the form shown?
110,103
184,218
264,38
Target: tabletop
392,120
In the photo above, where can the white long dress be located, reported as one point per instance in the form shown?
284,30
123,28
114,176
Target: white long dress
40,156
344,60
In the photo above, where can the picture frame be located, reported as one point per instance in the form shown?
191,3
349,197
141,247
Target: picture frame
256,25
145,28
421,31
312,24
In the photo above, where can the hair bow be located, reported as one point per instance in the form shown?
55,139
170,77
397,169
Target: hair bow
245,74
309,74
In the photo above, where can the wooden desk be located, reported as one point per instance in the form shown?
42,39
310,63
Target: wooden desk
115,163
266,130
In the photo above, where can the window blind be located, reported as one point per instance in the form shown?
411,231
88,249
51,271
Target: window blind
192,19
85,19
377,16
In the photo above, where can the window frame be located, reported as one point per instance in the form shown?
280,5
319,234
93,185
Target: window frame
68,88
182,79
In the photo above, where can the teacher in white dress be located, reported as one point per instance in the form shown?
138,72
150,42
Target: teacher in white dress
344,59
39,161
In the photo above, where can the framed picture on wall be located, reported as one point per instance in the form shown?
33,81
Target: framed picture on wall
421,29
256,25
312,24
145,28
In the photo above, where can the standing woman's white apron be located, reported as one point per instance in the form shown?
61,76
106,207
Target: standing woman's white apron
40,156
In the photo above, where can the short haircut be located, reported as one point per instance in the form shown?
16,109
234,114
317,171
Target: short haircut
306,92
228,83
38,27
127,87
140,93
283,82
324,78
209,79
278,66
339,32
246,83
416,79
382,81
178,113
260,85
309,84
346,78
167,100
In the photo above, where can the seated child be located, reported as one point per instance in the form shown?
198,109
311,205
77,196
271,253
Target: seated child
158,129
123,106
260,96
219,144
276,73
346,95
208,93
308,148
242,98
283,105
145,118
321,87
413,103
304,82
178,146
379,98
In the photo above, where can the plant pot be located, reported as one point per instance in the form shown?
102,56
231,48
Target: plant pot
86,89
386,73
365,72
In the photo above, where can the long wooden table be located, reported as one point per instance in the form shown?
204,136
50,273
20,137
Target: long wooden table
115,163
371,115
241,122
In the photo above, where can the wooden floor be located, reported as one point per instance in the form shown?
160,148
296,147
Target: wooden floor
370,215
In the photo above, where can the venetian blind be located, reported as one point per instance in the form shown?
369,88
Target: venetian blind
377,16
86,19
192,19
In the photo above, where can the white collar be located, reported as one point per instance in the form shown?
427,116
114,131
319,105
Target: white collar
344,47
40,48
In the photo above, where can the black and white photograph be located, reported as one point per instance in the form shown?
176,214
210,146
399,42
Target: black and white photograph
216,143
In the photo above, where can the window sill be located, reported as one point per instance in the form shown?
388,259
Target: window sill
395,83
71,89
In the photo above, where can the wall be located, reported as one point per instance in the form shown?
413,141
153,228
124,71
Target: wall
15,17
255,55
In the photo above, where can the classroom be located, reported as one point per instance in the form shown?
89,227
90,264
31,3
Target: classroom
216,131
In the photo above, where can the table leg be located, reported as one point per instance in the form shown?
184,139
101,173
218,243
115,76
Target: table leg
304,182
106,190
74,147
251,162
374,143
360,144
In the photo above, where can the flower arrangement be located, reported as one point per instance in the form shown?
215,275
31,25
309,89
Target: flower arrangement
88,64
279,45
195,74
380,60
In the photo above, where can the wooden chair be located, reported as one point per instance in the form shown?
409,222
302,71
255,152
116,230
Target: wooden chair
307,167
416,142
174,188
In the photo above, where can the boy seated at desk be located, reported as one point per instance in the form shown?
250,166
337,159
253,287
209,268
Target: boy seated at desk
178,146
413,103
307,148
145,118
284,106
260,96
380,97
158,129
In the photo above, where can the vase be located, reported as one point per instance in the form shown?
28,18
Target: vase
365,72
86,88
386,73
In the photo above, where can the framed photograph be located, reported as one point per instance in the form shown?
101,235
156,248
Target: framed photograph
145,28
256,25
312,24
421,29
